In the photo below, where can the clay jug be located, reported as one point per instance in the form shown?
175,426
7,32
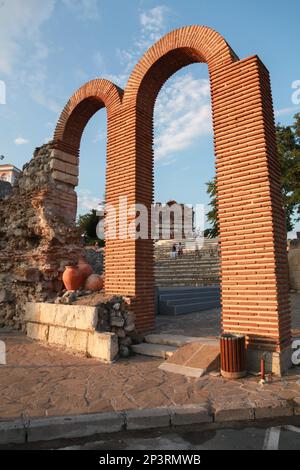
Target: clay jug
94,282
72,278
85,268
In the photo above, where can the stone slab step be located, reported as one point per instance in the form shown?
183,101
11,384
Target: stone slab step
189,299
193,360
165,309
155,350
179,340
212,287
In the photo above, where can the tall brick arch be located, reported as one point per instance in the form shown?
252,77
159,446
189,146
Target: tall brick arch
254,280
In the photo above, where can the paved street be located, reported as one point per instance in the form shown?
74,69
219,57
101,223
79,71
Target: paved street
42,381
270,438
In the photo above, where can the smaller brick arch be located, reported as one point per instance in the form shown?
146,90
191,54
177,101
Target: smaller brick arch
82,105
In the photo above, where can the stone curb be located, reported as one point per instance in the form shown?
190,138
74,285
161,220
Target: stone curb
65,427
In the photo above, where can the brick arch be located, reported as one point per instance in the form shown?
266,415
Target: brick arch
82,105
254,270
175,50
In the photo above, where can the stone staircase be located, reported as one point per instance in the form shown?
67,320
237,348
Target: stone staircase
192,269
190,282
183,300
164,345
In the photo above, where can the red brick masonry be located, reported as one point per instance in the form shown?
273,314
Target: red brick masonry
252,228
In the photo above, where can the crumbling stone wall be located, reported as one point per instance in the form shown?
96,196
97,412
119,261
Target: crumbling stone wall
38,236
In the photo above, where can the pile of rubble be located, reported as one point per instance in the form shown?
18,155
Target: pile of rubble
114,315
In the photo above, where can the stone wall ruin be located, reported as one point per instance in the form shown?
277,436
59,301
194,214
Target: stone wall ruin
37,238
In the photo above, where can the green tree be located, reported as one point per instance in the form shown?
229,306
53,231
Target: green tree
212,215
87,223
288,145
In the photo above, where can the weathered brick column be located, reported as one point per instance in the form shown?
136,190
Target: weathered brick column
254,270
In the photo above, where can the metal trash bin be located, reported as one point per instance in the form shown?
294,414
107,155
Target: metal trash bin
233,356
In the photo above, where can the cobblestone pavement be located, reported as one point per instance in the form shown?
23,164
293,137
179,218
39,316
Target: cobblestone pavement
42,381
207,323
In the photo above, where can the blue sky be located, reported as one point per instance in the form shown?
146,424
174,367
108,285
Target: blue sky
49,48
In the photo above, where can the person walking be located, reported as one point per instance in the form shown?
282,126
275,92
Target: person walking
180,249
173,251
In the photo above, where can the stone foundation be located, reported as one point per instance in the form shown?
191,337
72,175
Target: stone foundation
276,362
104,330
71,327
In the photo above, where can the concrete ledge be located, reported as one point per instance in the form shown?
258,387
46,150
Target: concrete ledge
72,327
60,427
239,414
80,317
189,414
12,432
148,418
273,411
75,426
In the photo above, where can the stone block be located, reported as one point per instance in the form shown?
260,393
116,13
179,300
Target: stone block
80,317
32,312
103,346
193,359
148,418
37,331
57,335
273,411
234,414
77,340
65,178
64,167
65,157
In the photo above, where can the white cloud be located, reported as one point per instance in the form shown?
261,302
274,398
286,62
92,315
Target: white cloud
21,20
21,141
153,24
182,114
152,27
23,53
284,111
84,9
87,201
